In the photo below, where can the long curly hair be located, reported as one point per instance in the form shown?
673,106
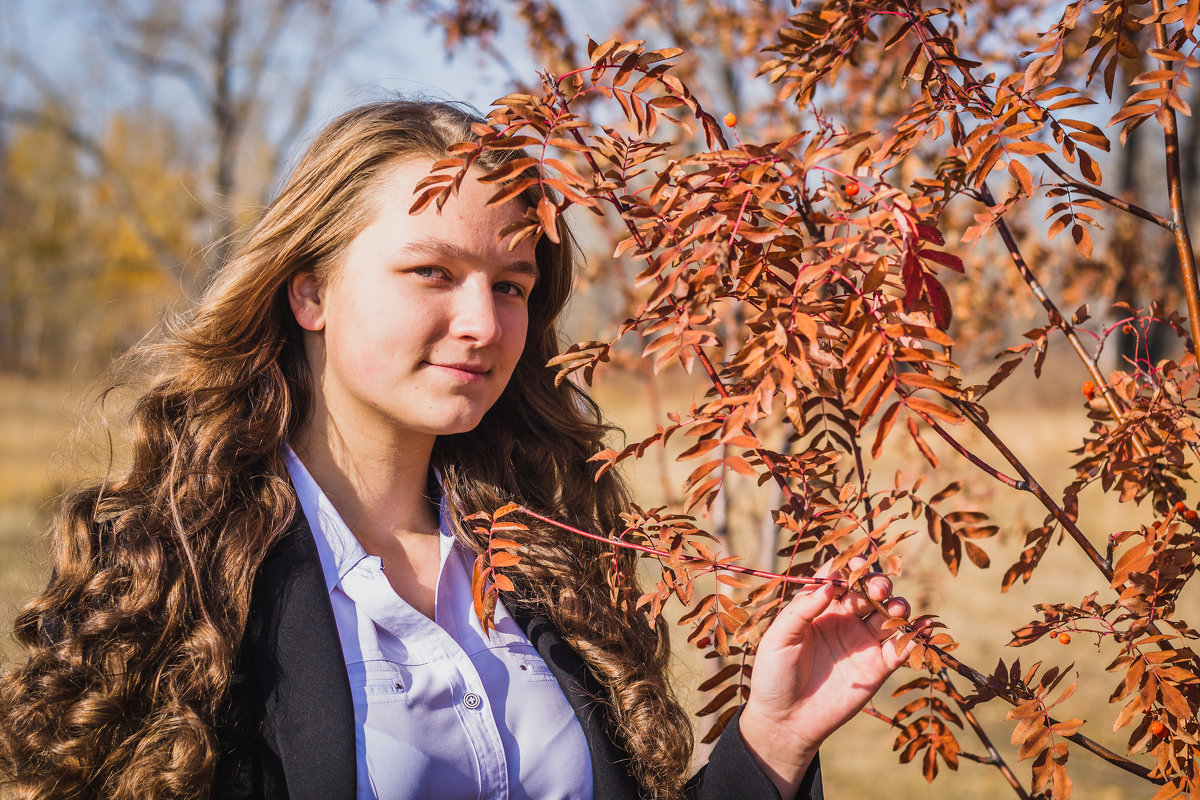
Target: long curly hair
130,647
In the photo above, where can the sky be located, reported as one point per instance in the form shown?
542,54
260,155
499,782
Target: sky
391,53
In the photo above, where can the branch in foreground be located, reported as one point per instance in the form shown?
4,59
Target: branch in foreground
1036,489
977,678
663,554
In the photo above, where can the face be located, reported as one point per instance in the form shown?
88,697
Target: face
418,330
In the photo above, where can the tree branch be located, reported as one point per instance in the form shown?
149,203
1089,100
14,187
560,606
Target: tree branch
1179,227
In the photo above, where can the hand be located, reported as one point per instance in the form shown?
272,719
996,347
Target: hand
824,656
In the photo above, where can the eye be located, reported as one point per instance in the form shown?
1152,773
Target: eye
429,272
512,289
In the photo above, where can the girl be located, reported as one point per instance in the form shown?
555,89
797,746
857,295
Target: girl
274,601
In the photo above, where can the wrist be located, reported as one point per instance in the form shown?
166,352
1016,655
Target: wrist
784,757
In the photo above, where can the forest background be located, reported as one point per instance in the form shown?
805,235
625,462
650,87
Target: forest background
139,137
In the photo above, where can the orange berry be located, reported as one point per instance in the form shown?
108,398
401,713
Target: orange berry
730,119
1088,389
1157,729
852,188
1180,507
1190,515
1127,329
1064,638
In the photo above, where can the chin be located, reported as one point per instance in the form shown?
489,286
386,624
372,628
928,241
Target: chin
451,427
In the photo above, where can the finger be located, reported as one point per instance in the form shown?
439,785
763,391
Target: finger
858,604
855,604
899,607
876,622
894,655
874,585
797,616
879,587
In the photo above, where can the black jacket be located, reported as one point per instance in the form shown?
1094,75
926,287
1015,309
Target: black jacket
289,730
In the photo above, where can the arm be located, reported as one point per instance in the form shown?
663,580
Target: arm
733,773
822,659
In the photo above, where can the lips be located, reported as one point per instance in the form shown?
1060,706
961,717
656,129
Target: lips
465,370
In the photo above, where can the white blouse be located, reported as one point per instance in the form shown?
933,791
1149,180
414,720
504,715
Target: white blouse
442,711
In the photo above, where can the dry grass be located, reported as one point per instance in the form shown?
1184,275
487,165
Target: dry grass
36,420
40,457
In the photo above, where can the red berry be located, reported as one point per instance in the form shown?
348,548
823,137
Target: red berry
1180,507
852,188
1088,389
1157,729
705,642
1127,329
730,119
1190,515
1065,638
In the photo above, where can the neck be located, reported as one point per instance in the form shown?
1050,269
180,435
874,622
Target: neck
377,483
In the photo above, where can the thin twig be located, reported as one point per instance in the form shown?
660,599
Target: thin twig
1012,483
870,711
995,759
663,554
1103,196
1035,488
1060,320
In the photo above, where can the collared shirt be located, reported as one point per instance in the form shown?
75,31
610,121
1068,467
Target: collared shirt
441,710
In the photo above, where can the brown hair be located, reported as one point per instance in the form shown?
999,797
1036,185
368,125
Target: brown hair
130,647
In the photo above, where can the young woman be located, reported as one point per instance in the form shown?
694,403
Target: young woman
274,601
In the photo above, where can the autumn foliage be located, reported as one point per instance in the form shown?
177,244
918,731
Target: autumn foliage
830,244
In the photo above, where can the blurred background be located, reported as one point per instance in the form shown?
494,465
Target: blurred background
138,138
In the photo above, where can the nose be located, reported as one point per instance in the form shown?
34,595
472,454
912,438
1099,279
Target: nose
475,317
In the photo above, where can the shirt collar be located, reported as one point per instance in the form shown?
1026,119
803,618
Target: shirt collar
340,552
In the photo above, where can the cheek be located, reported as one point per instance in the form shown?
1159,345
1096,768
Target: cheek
367,340
519,326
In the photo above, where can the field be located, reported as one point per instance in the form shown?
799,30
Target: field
41,455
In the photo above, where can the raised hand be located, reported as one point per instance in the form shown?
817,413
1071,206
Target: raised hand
824,656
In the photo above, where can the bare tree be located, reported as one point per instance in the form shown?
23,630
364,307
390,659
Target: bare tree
238,78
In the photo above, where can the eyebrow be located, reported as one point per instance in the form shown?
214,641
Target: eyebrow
433,246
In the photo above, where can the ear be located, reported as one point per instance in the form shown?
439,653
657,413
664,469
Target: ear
305,294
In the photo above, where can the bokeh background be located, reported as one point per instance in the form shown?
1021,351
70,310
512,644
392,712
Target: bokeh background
139,137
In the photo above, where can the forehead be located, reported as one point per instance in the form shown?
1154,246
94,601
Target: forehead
465,227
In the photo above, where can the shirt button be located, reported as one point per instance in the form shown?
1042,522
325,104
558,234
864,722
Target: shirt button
472,700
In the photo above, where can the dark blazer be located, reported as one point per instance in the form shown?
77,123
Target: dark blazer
289,728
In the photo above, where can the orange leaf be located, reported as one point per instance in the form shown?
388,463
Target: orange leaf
547,213
503,559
